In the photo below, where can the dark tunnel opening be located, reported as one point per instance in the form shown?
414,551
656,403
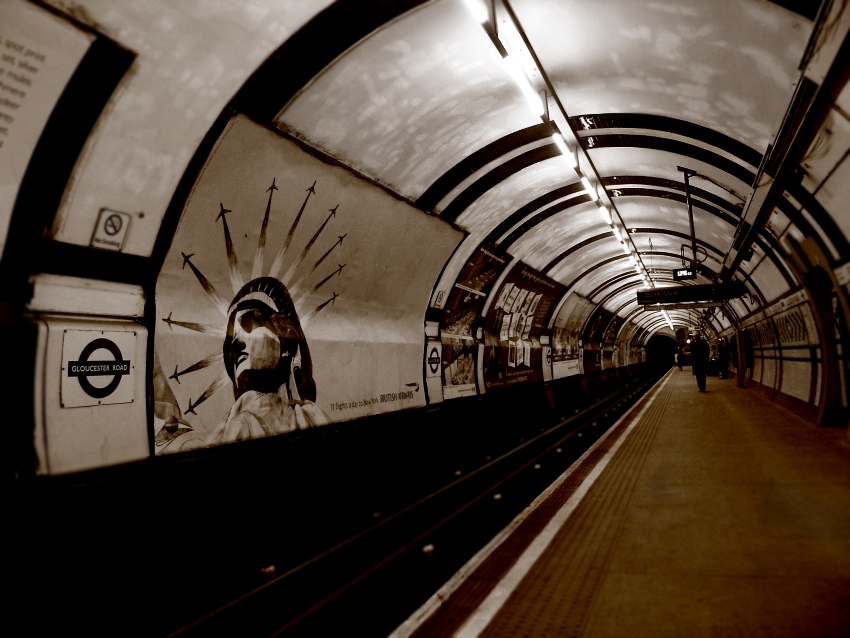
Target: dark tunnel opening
661,352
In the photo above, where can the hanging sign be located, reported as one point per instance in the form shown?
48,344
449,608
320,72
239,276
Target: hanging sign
684,273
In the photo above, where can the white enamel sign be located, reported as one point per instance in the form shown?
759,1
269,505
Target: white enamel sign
97,368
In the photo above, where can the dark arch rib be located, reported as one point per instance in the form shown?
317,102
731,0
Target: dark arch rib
617,140
597,265
729,218
617,182
542,216
617,291
582,244
475,161
521,213
497,175
707,272
596,121
610,282
309,50
575,247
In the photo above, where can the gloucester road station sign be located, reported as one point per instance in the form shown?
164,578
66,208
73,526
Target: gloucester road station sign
97,368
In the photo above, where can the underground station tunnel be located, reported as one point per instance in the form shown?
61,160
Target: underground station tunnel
426,318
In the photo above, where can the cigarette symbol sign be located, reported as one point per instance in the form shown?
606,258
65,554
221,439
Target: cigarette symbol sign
111,230
113,224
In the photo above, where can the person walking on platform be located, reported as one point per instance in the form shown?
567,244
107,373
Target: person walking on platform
699,360
680,355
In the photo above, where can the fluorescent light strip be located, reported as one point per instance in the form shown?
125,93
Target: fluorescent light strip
521,65
531,96
478,10
560,143
566,151
589,188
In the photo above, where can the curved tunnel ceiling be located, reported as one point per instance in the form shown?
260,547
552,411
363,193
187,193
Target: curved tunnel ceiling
415,96
424,106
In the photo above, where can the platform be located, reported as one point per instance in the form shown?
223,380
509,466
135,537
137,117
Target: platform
698,514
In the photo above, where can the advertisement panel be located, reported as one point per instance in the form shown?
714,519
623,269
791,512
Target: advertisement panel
282,304
462,311
39,52
567,337
512,328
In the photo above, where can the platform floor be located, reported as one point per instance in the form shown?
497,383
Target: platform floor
698,514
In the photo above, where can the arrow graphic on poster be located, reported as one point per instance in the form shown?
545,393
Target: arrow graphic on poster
294,289
218,331
325,280
200,365
320,306
301,298
261,245
228,245
309,245
206,285
278,260
216,385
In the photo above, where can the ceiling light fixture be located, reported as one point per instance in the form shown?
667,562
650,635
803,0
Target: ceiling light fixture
531,96
589,187
566,151
503,27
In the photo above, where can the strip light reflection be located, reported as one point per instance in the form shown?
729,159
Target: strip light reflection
561,143
478,10
531,96
589,188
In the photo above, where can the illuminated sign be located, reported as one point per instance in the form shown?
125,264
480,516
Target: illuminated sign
684,273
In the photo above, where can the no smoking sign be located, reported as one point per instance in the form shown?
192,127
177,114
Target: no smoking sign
111,229
97,368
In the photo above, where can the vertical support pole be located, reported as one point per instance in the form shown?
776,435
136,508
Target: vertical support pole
688,174
742,358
